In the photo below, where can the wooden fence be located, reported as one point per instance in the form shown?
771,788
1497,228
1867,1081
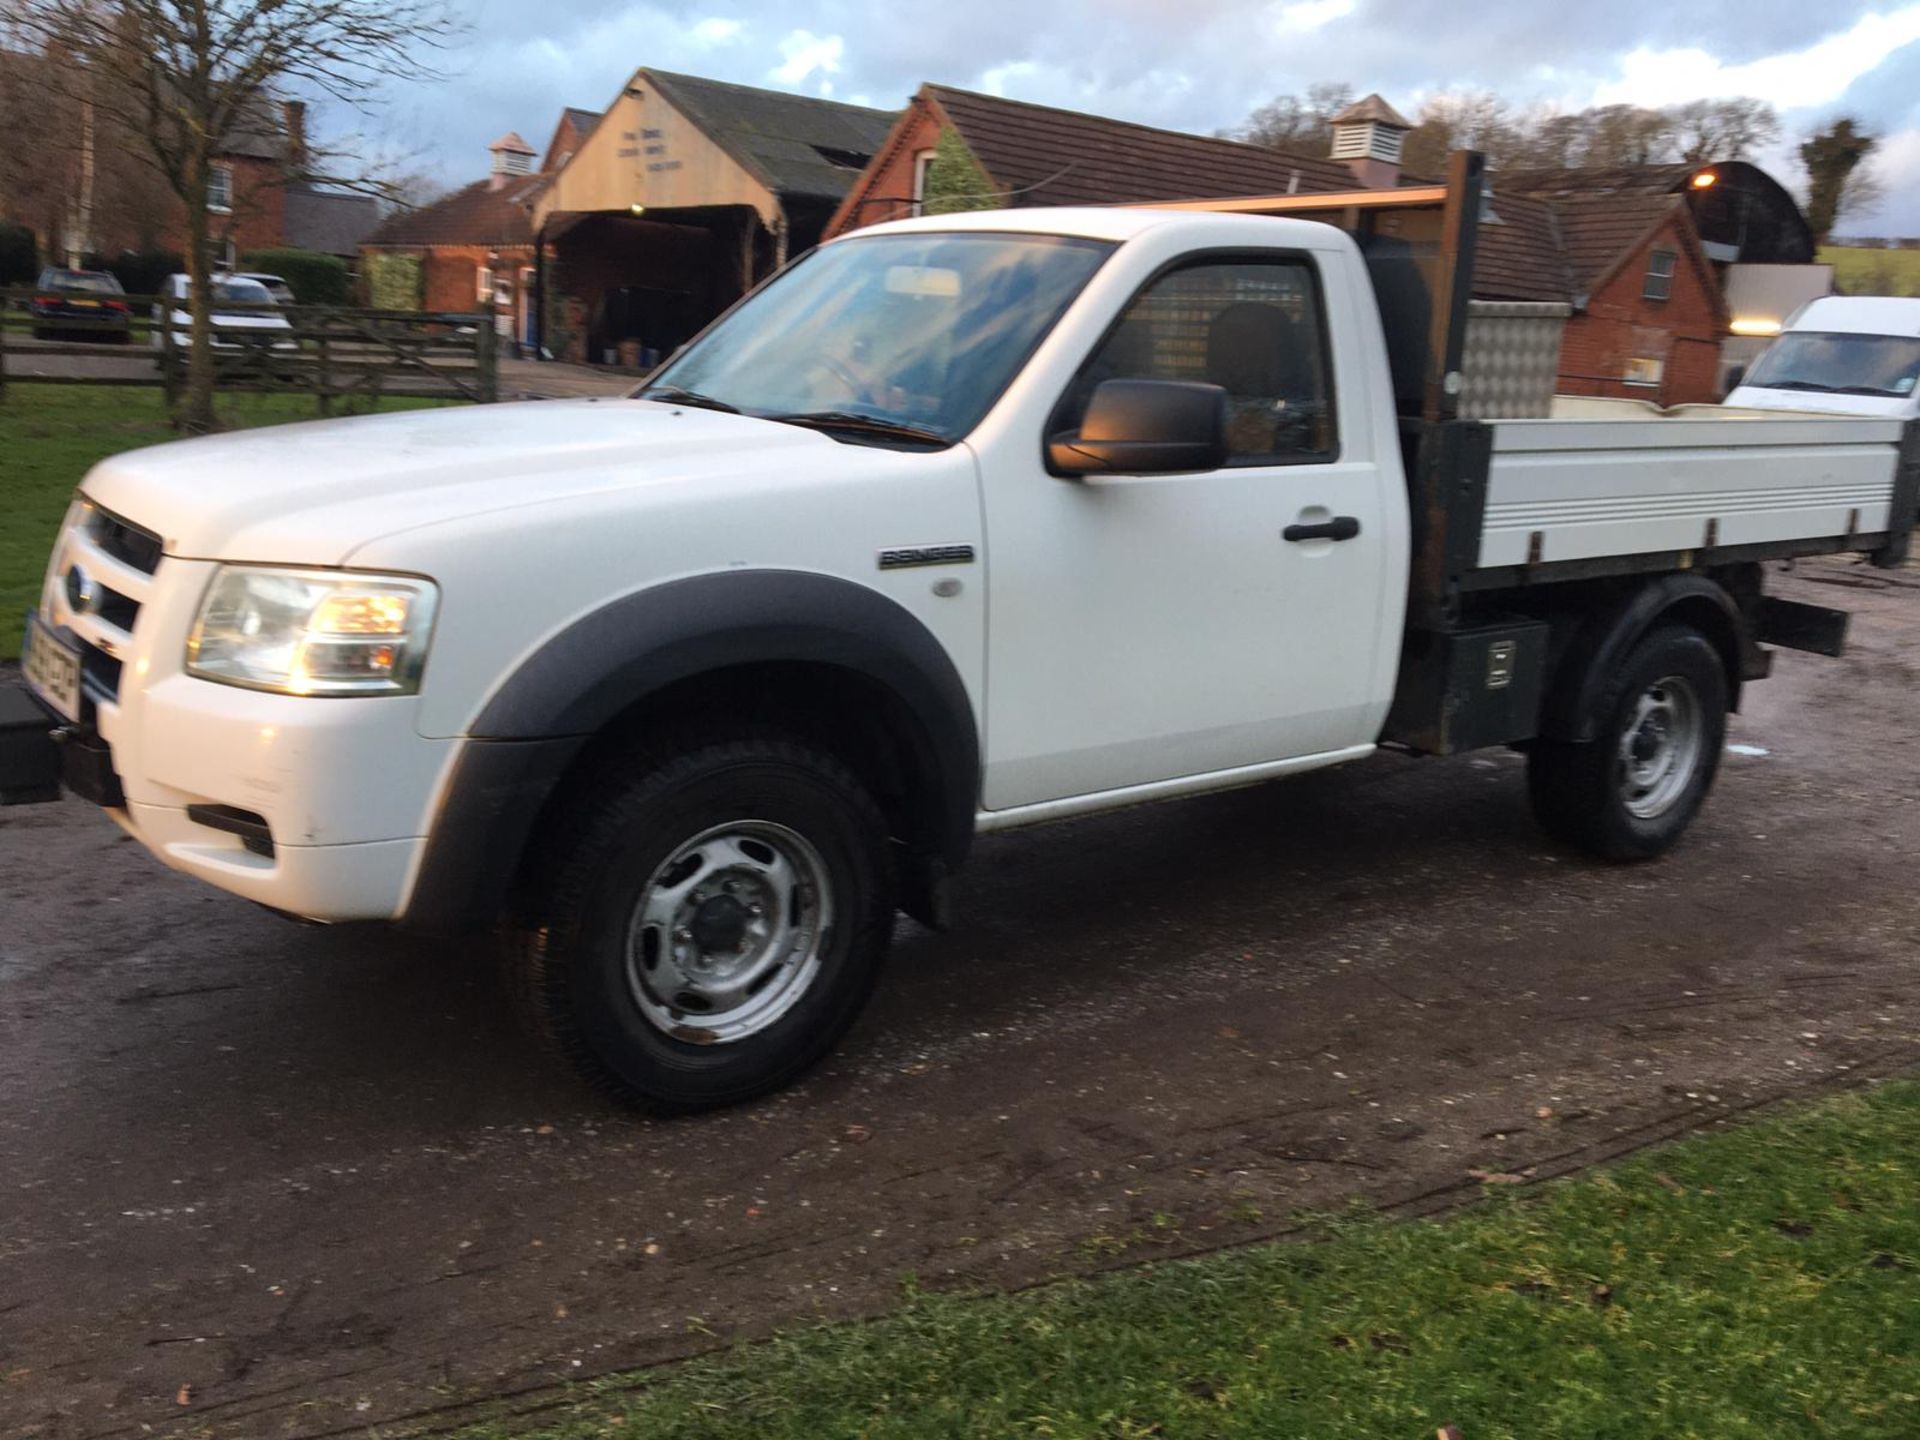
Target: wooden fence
341,357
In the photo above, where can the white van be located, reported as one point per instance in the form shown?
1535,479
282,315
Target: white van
1851,354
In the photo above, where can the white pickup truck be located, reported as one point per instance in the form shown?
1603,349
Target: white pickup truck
959,524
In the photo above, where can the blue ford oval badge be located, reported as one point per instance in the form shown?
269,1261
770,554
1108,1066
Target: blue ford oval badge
81,591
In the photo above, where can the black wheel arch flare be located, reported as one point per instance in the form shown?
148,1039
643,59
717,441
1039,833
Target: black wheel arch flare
1605,640
607,662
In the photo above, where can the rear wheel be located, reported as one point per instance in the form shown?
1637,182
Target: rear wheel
1631,792
707,921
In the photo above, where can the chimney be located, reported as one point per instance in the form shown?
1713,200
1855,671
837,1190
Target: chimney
1368,135
293,118
512,158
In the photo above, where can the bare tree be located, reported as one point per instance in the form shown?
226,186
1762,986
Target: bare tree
184,74
1722,129
1299,124
1466,120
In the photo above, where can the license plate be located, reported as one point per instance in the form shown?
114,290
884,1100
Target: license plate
85,304
52,668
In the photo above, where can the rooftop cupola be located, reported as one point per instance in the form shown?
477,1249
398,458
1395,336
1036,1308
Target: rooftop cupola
512,157
1368,136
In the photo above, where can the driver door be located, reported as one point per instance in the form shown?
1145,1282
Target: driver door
1147,628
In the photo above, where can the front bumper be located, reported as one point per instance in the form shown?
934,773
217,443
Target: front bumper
318,807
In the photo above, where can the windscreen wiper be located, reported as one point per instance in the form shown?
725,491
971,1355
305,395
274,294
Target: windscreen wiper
1791,385
680,395
861,424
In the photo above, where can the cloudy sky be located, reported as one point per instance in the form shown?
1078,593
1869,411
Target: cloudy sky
1194,64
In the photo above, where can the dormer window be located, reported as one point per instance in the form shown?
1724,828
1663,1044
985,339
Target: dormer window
220,188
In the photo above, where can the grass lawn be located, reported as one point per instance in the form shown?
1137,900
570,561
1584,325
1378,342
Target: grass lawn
1857,271
51,434
1759,1282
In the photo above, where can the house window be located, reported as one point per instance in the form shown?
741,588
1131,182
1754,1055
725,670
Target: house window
220,188
483,284
1659,275
1645,370
922,164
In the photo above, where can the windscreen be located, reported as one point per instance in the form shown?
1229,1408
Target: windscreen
241,292
74,282
915,330
1839,363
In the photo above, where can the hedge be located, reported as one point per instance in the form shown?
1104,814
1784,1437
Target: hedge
315,279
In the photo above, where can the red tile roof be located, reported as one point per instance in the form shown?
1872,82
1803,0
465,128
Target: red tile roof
1520,255
1599,231
476,215
1038,155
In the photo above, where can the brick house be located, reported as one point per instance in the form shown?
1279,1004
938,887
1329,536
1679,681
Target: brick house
112,201
1649,316
470,248
1679,271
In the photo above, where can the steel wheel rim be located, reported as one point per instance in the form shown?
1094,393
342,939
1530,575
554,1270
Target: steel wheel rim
729,932
1661,747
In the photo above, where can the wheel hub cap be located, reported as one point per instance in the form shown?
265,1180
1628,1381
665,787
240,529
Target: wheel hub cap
1661,748
729,932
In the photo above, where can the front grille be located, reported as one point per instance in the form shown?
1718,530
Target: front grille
109,563
125,541
116,609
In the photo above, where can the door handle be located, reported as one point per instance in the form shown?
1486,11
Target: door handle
1340,527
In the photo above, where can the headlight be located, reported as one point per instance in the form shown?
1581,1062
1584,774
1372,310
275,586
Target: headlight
313,632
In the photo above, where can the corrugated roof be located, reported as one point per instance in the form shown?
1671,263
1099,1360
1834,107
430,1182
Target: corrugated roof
1045,156
476,215
327,221
793,144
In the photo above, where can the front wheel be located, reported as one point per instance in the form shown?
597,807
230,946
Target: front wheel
707,921
1631,792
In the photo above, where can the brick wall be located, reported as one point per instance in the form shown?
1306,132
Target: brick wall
885,191
257,221
1619,324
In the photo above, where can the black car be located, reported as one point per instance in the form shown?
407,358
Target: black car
84,304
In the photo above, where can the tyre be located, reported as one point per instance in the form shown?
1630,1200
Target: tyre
705,920
1631,792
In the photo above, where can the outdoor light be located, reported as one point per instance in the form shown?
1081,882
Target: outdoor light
1705,180
637,210
313,632
1756,325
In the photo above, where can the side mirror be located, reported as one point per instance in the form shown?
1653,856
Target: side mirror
1145,427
